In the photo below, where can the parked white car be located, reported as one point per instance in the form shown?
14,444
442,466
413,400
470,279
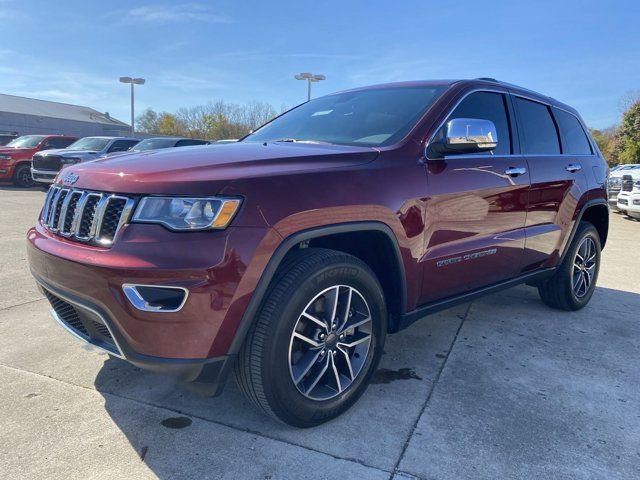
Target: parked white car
614,182
629,202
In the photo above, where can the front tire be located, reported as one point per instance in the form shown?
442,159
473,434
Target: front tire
22,176
317,339
572,285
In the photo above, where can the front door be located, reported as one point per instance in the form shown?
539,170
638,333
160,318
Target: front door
476,208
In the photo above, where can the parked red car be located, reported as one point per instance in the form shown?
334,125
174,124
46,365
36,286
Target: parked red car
287,257
15,157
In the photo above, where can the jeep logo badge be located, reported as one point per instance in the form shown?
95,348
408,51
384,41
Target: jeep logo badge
70,179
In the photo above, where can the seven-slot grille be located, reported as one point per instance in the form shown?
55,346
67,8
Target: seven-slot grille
85,216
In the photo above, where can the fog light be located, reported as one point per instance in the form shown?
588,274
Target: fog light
155,298
636,201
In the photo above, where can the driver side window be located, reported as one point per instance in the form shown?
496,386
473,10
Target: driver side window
488,106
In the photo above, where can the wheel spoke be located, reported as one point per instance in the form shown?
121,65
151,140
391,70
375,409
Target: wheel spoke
335,372
587,279
310,363
331,307
345,318
345,354
365,337
315,320
581,281
306,339
355,323
320,374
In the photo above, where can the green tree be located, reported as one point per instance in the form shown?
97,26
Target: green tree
147,121
169,124
605,140
213,121
627,144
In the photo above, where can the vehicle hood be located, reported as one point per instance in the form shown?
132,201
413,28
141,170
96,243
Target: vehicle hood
67,153
205,169
15,151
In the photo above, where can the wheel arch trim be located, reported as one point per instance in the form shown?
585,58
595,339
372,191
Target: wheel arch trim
588,204
287,245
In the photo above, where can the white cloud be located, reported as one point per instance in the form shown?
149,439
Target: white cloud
163,14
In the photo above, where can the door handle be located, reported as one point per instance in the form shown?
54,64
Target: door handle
515,171
573,167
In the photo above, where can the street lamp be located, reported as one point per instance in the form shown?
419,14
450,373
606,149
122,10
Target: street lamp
132,81
310,78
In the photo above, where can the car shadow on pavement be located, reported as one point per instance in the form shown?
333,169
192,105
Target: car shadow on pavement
178,433
13,188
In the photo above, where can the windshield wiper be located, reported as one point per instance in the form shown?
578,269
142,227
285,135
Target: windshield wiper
295,140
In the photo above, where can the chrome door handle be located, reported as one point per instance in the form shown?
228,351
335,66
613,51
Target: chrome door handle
515,171
573,167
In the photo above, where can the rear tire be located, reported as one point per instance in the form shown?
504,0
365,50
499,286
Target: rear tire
572,285
294,339
22,176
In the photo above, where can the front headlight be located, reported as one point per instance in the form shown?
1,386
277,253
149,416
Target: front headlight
5,157
182,213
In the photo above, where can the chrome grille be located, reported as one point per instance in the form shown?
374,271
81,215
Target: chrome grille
85,216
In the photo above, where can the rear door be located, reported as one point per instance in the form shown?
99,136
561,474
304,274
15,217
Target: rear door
476,209
557,178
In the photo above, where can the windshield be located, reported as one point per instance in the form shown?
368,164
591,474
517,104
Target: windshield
90,143
154,144
27,141
375,117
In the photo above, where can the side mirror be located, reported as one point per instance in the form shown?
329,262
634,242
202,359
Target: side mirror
464,135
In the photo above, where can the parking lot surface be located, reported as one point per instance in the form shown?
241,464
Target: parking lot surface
503,387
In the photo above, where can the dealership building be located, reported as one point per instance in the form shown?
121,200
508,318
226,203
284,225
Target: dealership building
31,116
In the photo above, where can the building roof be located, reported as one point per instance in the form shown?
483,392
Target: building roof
45,108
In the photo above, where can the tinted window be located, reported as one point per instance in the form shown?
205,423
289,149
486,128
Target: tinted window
59,142
154,144
487,106
574,140
186,143
122,145
537,127
372,117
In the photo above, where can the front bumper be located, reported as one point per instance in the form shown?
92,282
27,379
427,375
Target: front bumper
91,325
625,203
85,288
43,176
6,169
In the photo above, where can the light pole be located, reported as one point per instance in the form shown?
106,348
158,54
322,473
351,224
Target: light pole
310,78
132,81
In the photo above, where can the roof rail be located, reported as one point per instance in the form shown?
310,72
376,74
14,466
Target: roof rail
488,79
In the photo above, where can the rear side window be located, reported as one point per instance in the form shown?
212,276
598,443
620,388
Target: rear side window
574,140
538,129
487,106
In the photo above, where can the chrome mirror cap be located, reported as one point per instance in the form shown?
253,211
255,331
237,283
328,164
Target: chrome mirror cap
463,135
470,135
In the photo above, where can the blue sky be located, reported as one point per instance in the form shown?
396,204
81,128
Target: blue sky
584,53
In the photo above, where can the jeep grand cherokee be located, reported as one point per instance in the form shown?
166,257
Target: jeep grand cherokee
287,257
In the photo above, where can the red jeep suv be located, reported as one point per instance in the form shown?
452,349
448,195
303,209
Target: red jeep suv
15,156
287,257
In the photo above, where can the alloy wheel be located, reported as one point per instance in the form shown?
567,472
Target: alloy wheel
24,178
584,267
330,342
